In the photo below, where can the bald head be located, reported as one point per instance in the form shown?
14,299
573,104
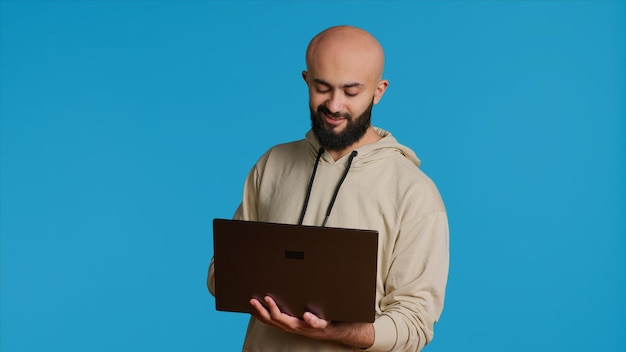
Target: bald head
344,76
344,46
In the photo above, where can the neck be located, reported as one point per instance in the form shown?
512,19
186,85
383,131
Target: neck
369,137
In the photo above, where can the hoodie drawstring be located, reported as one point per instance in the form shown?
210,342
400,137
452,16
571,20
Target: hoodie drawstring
343,177
310,187
308,191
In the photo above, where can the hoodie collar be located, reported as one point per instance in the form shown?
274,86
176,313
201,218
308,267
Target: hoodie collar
384,148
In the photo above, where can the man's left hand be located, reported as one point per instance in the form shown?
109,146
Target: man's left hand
360,335
310,325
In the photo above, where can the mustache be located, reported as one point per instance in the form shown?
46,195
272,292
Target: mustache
323,109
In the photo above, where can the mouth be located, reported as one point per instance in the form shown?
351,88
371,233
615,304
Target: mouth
332,119
334,116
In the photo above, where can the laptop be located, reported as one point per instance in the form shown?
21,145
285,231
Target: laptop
330,272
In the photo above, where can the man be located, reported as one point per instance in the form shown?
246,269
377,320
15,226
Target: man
347,173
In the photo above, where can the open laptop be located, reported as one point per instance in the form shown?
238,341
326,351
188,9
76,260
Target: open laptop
330,272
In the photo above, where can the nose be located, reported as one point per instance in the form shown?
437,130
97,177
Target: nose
335,103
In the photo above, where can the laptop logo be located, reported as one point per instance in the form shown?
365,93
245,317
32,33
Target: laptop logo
294,254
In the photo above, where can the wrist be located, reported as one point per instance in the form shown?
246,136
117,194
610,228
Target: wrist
359,335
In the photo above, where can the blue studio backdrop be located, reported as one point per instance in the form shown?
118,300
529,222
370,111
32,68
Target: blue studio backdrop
127,126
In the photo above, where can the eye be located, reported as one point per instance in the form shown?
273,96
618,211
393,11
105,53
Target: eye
352,92
322,89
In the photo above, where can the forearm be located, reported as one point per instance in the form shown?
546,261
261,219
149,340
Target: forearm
360,335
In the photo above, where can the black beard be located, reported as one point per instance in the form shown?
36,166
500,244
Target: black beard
354,131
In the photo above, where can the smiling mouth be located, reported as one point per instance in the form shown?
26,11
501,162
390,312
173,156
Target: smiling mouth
333,120
335,117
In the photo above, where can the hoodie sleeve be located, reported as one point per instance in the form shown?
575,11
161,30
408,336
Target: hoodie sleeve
415,285
247,210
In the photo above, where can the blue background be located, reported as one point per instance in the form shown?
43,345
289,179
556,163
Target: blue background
127,126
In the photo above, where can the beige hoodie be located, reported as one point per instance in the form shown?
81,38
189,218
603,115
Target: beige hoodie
384,190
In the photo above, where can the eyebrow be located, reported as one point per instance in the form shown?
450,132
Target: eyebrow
347,85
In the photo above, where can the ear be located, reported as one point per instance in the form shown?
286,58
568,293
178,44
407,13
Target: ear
304,76
380,90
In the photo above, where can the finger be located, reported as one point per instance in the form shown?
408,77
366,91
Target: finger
260,311
314,321
280,319
273,307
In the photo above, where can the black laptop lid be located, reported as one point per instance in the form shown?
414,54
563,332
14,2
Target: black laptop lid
330,272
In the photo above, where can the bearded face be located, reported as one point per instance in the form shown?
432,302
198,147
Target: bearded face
334,140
